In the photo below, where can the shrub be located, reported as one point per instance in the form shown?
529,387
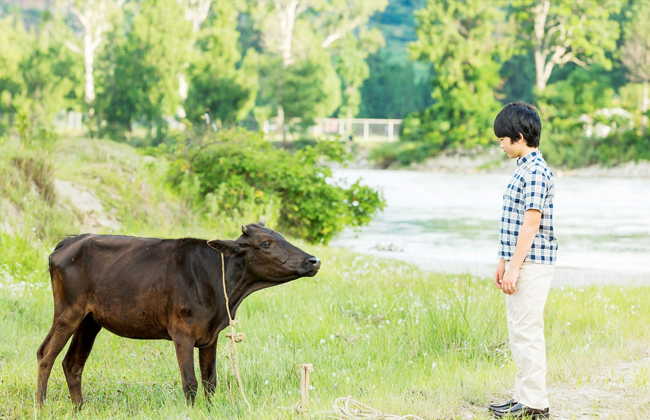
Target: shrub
237,169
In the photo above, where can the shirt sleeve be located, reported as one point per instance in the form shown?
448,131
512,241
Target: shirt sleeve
535,191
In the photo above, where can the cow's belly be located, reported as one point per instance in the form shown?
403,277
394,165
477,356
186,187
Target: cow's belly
132,324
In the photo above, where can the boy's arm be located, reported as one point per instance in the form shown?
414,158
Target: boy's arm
527,232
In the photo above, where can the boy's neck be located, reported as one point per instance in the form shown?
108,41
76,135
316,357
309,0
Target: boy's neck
525,150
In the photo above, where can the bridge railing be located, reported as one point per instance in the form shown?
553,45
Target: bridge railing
362,129
378,130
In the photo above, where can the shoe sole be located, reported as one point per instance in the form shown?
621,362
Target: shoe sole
540,416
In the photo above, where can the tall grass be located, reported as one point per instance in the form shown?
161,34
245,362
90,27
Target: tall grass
399,339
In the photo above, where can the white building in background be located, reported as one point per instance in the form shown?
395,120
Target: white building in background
604,121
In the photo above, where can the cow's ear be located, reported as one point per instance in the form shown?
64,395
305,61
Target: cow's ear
227,248
263,221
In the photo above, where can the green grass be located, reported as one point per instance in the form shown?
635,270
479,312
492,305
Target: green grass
398,339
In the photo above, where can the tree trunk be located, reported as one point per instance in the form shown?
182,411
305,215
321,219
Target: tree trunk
89,62
280,123
540,80
183,89
541,13
644,107
287,22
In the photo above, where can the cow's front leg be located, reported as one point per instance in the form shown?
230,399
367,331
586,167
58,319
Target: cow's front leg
208,363
185,355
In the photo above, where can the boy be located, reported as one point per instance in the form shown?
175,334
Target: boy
527,254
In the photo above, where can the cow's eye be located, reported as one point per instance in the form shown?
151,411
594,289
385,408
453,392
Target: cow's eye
266,245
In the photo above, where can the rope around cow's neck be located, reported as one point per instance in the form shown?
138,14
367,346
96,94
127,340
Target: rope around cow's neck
233,336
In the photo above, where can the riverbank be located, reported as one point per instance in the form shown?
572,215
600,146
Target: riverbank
493,160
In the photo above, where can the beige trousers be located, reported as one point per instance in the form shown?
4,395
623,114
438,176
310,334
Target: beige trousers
525,314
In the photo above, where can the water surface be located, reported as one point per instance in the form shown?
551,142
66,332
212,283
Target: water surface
450,222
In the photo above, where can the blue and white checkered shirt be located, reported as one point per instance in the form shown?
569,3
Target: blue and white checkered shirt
531,187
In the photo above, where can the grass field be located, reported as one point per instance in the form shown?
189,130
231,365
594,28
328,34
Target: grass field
398,339
391,336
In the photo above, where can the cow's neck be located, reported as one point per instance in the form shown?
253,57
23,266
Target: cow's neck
240,282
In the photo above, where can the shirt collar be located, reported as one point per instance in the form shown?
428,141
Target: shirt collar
535,154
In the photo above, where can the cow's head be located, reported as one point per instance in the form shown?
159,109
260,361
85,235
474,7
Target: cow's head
268,256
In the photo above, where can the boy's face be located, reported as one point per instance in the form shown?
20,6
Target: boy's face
514,150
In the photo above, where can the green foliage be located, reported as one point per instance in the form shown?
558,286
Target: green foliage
239,168
392,90
139,81
459,39
580,32
353,69
39,76
583,92
569,147
218,80
307,88
402,153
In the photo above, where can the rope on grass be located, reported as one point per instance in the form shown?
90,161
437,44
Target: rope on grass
347,408
234,337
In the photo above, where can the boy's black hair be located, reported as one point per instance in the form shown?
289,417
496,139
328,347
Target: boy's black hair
516,118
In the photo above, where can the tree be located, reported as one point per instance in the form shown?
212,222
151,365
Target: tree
14,48
295,29
94,17
635,54
459,39
38,75
393,90
345,22
565,31
139,70
219,80
354,70
196,11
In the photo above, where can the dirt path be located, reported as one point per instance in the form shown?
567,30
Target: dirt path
620,392
616,392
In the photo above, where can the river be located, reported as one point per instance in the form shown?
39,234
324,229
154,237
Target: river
450,222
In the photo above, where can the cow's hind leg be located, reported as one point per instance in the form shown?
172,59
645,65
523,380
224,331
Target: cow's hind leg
208,364
75,360
63,326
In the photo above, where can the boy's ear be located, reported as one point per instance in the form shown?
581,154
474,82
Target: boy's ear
227,248
521,138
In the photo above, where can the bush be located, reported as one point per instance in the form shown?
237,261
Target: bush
570,148
236,169
402,153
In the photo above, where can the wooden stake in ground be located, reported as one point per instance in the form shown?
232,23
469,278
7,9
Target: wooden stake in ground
305,368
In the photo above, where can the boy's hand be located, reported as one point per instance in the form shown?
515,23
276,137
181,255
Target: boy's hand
509,282
499,272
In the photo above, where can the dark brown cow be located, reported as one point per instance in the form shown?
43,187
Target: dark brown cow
169,289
